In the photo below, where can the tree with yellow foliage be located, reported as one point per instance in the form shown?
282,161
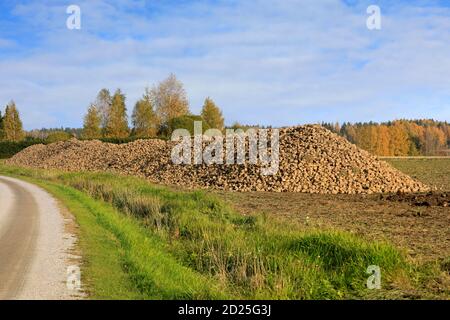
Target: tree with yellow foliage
144,118
212,114
435,140
12,125
399,141
92,122
169,99
117,124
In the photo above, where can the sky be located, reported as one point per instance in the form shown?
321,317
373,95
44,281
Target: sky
269,62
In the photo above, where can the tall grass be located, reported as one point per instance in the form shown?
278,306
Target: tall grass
152,270
253,256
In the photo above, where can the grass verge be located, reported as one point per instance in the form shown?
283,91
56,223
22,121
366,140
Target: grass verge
121,260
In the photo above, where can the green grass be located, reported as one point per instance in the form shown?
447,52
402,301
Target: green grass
146,241
122,260
434,171
103,276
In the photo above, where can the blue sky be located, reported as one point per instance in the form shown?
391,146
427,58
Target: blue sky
281,62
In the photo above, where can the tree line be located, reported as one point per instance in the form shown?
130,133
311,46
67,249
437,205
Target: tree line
159,111
397,138
165,107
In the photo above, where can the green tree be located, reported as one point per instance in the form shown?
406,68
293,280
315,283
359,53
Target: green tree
144,117
169,99
12,125
92,122
2,133
57,136
212,114
184,122
117,124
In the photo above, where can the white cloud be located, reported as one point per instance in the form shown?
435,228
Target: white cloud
270,62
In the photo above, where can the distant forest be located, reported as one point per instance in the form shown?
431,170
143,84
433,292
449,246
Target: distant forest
393,138
398,138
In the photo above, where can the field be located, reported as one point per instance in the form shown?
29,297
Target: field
422,230
141,241
434,172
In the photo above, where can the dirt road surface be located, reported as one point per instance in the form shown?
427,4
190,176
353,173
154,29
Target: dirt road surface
34,245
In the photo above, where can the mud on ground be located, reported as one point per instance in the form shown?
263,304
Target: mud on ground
430,199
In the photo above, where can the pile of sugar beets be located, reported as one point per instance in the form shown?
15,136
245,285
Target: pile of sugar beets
310,159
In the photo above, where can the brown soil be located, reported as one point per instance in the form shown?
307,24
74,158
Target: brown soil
423,231
431,199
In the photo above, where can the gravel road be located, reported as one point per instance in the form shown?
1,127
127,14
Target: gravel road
35,246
